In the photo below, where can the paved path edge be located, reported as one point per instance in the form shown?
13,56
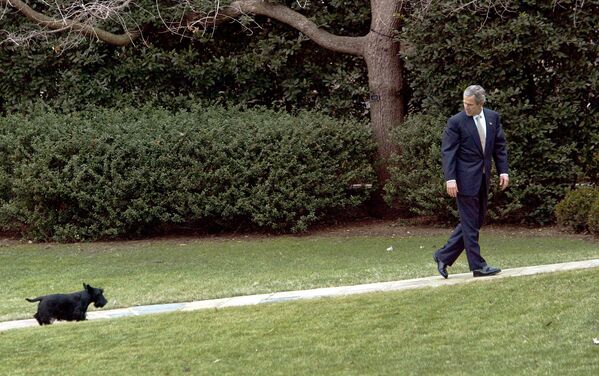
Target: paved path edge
286,296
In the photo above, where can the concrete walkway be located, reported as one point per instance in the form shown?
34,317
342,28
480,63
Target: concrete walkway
436,281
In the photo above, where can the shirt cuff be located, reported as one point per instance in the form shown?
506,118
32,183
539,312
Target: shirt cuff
451,181
503,175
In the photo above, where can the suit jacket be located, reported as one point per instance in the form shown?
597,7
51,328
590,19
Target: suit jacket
462,153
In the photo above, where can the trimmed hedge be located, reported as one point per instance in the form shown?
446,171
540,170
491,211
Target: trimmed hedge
593,222
416,184
111,173
579,210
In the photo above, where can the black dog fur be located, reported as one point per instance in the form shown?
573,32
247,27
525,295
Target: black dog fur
69,307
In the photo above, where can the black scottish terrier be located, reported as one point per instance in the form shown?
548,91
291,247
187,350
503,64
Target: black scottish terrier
69,307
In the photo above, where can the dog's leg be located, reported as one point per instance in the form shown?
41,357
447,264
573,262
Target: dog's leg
85,301
43,319
79,314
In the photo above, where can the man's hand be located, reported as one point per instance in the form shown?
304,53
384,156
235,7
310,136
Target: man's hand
452,188
504,181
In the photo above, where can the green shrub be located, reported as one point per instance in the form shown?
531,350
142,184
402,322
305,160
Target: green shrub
416,184
109,173
575,210
593,219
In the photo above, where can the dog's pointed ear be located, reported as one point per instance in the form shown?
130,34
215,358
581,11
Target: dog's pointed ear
86,286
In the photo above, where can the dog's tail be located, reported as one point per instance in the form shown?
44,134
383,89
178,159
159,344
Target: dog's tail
38,299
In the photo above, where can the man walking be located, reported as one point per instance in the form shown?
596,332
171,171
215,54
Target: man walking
471,140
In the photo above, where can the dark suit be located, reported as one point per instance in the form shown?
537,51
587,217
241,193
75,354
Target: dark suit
463,161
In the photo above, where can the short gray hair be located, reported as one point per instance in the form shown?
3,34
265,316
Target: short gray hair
478,92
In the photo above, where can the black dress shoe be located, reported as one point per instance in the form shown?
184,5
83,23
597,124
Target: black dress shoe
486,271
441,266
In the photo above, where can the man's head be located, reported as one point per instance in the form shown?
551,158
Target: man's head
474,99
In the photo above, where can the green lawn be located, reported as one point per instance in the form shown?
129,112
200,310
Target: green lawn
146,272
539,325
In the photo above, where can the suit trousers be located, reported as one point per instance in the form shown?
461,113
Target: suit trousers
472,211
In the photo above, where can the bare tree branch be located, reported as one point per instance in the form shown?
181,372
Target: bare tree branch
82,19
191,14
79,18
281,13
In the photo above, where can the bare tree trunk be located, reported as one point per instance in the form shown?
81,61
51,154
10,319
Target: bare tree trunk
385,73
385,83
385,80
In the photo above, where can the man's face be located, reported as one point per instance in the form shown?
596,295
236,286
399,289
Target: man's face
471,107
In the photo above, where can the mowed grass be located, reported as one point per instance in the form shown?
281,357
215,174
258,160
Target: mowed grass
539,325
164,271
